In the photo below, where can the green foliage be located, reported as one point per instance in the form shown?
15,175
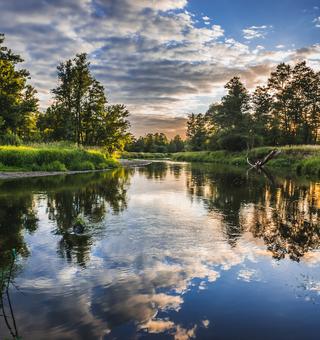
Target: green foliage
10,139
144,155
310,166
233,142
285,111
304,159
197,131
53,159
79,166
54,166
80,112
18,102
155,143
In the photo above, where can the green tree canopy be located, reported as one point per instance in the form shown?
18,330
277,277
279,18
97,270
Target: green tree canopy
80,112
18,102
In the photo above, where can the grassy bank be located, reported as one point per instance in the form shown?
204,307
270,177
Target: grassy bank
145,155
304,159
52,158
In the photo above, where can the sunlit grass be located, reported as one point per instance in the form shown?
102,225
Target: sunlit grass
304,159
52,157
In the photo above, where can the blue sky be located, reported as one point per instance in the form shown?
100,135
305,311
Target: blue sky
163,59
291,19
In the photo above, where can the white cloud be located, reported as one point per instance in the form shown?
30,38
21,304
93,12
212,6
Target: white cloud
255,32
316,21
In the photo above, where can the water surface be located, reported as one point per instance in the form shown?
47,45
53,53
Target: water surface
169,250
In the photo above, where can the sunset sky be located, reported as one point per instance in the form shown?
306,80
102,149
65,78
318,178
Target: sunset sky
162,58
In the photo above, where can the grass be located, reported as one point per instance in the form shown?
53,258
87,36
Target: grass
144,155
52,157
304,159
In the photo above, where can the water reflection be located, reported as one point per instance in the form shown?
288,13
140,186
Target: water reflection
90,199
285,213
168,250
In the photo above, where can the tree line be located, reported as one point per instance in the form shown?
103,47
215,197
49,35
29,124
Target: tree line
284,111
79,113
157,142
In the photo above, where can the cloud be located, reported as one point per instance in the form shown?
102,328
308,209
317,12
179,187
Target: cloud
316,21
255,32
154,123
153,56
247,275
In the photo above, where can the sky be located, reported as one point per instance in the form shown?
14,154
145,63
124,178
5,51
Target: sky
163,59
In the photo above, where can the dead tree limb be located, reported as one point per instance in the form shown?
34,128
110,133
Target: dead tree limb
261,162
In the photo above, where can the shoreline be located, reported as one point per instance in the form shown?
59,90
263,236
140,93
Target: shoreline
30,174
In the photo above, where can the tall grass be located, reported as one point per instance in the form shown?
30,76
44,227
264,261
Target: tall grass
144,155
52,158
304,159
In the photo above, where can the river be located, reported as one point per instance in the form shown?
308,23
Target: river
167,251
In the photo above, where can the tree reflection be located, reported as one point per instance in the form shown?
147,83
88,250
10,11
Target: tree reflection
283,213
155,170
89,196
289,221
17,214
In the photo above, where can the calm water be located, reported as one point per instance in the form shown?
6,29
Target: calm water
168,251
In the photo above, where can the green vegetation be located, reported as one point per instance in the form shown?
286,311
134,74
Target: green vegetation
52,158
304,159
155,143
80,112
79,116
284,112
145,155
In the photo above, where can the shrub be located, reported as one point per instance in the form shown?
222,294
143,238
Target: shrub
233,142
10,139
54,166
310,166
79,166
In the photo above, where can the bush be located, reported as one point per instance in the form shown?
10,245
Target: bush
54,166
79,166
10,139
309,166
233,142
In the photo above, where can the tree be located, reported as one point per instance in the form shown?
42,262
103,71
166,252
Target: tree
18,102
197,131
233,111
304,105
280,92
265,124
80,112
112,129
176,144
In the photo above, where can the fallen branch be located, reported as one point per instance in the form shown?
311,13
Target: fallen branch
261,162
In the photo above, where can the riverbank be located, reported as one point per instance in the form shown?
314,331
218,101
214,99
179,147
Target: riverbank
145,155
303,159
52,159
30,174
